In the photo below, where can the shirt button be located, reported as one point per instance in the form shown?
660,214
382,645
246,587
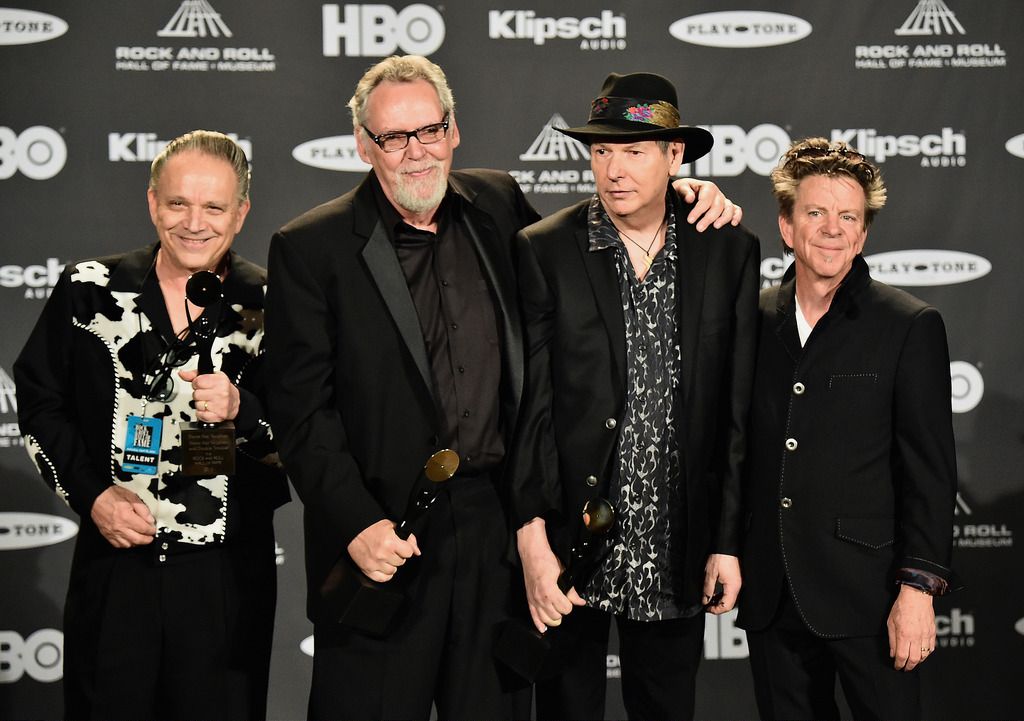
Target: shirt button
163,558
591,481
465,414
799,388
163,546
462,369
791,444
455,326
610,423
444,283
786,502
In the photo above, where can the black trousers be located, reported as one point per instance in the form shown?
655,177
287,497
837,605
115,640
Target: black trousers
659,661
441,649
795,673
187,640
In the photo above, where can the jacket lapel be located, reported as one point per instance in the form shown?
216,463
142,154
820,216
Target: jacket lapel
386,272
691,274
496,264
604,283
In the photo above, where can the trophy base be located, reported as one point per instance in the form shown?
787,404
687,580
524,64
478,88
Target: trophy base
351,599
532,655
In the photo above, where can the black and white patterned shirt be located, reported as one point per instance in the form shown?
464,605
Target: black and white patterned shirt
635,578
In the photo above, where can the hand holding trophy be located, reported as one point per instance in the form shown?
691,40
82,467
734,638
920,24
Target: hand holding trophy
520,646
348,596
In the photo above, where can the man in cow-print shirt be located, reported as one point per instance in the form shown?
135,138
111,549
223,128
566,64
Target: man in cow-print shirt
170,604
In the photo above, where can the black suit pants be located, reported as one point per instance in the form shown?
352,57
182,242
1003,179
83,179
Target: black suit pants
186,639
795,673
659,662
441,648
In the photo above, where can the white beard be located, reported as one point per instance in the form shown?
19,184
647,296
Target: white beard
420,196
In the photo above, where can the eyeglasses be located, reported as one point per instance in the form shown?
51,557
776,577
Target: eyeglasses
393,142
859,163
161,388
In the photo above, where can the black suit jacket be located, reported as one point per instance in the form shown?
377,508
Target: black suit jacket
852,470
352,403
576,379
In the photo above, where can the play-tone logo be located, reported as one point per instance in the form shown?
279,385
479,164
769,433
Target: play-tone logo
334,153
377,30
33,530
22,27
740,29
926,267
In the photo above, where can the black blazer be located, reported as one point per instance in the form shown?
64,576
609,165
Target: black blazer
576,377
867,482
352,404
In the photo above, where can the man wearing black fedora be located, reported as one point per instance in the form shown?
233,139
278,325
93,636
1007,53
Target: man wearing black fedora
640,342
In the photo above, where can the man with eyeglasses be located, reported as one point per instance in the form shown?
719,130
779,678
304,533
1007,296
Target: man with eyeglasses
393,330
851,478
170,606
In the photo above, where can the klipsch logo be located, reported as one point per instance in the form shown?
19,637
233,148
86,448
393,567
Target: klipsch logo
37,280
195,20
21,27
740,29
143,147
606,31
930,19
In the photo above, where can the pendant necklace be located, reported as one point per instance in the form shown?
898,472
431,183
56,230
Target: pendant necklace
648,258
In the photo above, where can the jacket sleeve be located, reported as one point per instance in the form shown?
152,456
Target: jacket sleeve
924,455
740,384
47,417
310,435
534,482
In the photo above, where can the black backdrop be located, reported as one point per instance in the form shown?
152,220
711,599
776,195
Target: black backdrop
931,90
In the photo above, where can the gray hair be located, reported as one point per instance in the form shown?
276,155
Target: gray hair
208,142
399,69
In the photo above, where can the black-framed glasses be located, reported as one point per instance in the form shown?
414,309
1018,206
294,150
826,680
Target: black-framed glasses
859,161
398,140
161,388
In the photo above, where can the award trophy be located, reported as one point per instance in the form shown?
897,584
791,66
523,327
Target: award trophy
351,598
520,646
207,449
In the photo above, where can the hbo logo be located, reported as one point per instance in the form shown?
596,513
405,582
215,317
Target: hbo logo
377,30
736,150
39,152
41,655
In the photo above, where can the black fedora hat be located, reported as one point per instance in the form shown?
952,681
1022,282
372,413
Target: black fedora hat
640,106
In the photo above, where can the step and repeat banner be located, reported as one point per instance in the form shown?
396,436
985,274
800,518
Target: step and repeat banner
930,90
